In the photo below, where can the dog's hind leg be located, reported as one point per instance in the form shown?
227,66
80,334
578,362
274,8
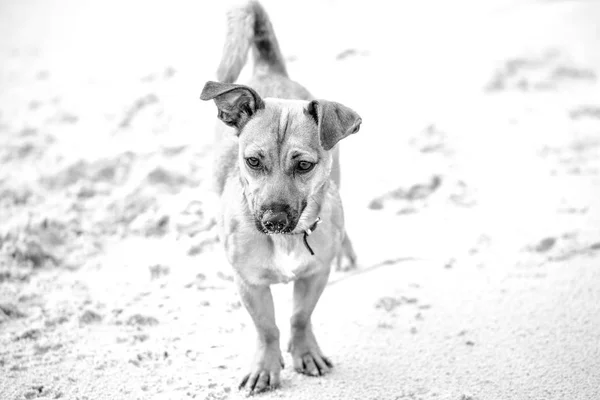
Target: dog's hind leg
346,253
306,354
347,250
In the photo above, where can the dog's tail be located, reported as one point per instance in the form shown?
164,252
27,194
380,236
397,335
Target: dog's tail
248,25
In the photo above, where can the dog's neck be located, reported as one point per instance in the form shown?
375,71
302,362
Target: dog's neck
313,209
307,231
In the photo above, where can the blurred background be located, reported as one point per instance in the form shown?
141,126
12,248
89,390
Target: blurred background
471,193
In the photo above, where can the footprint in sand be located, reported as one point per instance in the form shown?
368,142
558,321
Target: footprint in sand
551,70
416,192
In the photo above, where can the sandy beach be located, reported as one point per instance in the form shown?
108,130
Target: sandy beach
471,193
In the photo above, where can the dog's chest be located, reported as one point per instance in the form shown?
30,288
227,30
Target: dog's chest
289,265
264,260
288,260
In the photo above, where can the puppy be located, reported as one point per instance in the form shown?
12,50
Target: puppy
277,175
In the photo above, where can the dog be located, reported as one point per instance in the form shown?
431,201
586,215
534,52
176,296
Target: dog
276,172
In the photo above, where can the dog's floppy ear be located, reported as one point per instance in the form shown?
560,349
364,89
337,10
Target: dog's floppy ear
335,121
236,103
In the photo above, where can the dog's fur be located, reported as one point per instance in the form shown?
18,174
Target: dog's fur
277,160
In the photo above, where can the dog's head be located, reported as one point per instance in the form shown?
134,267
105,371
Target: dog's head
285,155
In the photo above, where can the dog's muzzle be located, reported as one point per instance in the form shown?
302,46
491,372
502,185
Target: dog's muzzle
276,218
275,221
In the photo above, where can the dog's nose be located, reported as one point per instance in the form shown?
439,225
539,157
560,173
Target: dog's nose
275,221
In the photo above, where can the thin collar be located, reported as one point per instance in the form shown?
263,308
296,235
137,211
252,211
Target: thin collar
308,232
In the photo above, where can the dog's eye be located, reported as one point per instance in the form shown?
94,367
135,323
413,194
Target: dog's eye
304,166
253,162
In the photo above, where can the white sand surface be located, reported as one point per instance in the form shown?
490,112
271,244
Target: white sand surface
486,286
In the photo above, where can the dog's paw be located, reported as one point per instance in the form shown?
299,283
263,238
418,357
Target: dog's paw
308,358
312,363
264,372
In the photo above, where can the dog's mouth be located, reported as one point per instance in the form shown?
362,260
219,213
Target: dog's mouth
279,221
287,231
269,227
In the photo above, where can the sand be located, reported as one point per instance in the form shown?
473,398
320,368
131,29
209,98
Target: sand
472,194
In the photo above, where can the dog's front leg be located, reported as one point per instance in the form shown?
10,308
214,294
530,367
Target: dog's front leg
306,354
267,363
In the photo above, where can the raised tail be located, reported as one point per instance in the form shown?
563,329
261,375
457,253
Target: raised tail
248,26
